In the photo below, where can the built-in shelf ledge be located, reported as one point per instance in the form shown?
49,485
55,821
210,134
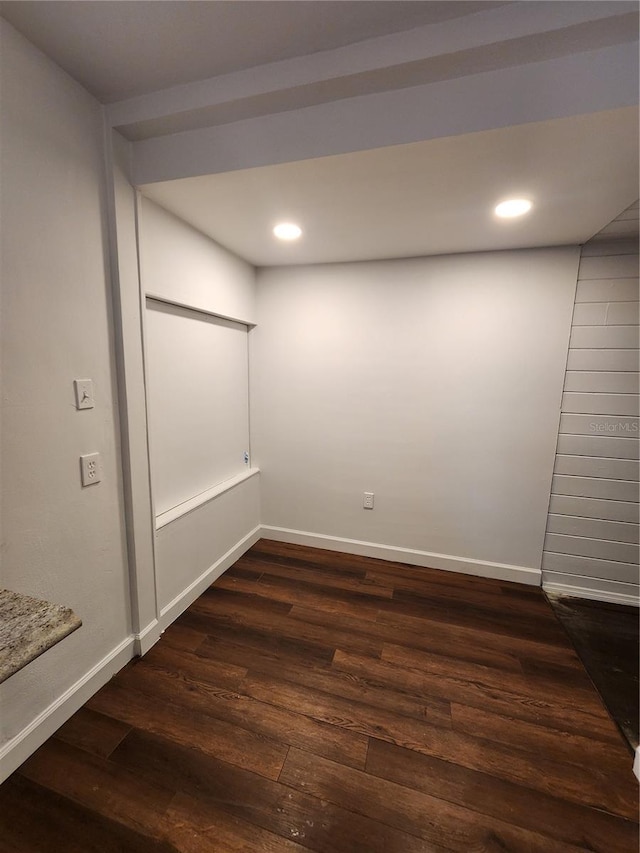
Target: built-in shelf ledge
154,297
28,627
193,503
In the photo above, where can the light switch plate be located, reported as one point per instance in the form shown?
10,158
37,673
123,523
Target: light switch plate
84,393
91,468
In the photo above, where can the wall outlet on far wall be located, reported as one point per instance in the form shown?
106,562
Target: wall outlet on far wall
367,503
91,468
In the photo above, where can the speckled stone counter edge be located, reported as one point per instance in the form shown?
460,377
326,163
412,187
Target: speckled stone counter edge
28,627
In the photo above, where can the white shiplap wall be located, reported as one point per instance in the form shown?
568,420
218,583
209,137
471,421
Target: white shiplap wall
591,544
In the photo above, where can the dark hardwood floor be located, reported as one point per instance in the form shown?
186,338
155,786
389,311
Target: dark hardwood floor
607,639
319,701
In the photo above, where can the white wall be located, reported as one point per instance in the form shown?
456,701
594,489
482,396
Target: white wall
128,311
197,386
182,266
591,547
435,383
60,542
188,548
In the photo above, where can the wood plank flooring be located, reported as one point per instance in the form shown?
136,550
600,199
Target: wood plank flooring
319,701
607,639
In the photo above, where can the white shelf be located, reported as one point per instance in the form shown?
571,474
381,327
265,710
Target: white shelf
193,503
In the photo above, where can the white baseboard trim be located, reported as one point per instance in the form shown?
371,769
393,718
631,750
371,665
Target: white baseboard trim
146,638
636,763
189,595
596,589
25,743
479,568
20,747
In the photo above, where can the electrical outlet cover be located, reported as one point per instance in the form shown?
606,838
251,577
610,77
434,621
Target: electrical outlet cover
91,468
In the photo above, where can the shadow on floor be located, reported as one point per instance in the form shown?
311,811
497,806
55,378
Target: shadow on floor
606,637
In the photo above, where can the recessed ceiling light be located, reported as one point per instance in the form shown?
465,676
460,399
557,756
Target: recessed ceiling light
513,207
287,231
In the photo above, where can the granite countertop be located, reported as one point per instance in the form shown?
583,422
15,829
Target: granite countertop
28,627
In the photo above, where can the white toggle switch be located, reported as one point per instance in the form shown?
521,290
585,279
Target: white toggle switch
84,393
91,468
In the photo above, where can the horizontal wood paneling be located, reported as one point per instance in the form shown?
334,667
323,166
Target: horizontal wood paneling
608,289
582,546
601,247
600,404
603,359
589,567
594,466
620,228
612,426
594,508
614,490
600,589
590,313
614,531
592,526
605,313
622,313
605,381
592,445
613,266
604,337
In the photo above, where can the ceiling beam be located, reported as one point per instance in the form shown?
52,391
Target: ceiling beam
572,85
509,35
